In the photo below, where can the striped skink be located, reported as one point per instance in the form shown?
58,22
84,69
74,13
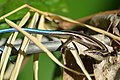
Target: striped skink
95,49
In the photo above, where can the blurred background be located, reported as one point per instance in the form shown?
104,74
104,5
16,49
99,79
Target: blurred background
74,9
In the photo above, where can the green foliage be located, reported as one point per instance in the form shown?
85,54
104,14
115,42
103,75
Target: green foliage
46,5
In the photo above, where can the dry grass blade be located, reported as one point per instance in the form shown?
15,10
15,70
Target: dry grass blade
22,7
36,10
12,12
8,71
58,17
7,49
23,49
36,56
103,32
35,69
41,46
78,59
